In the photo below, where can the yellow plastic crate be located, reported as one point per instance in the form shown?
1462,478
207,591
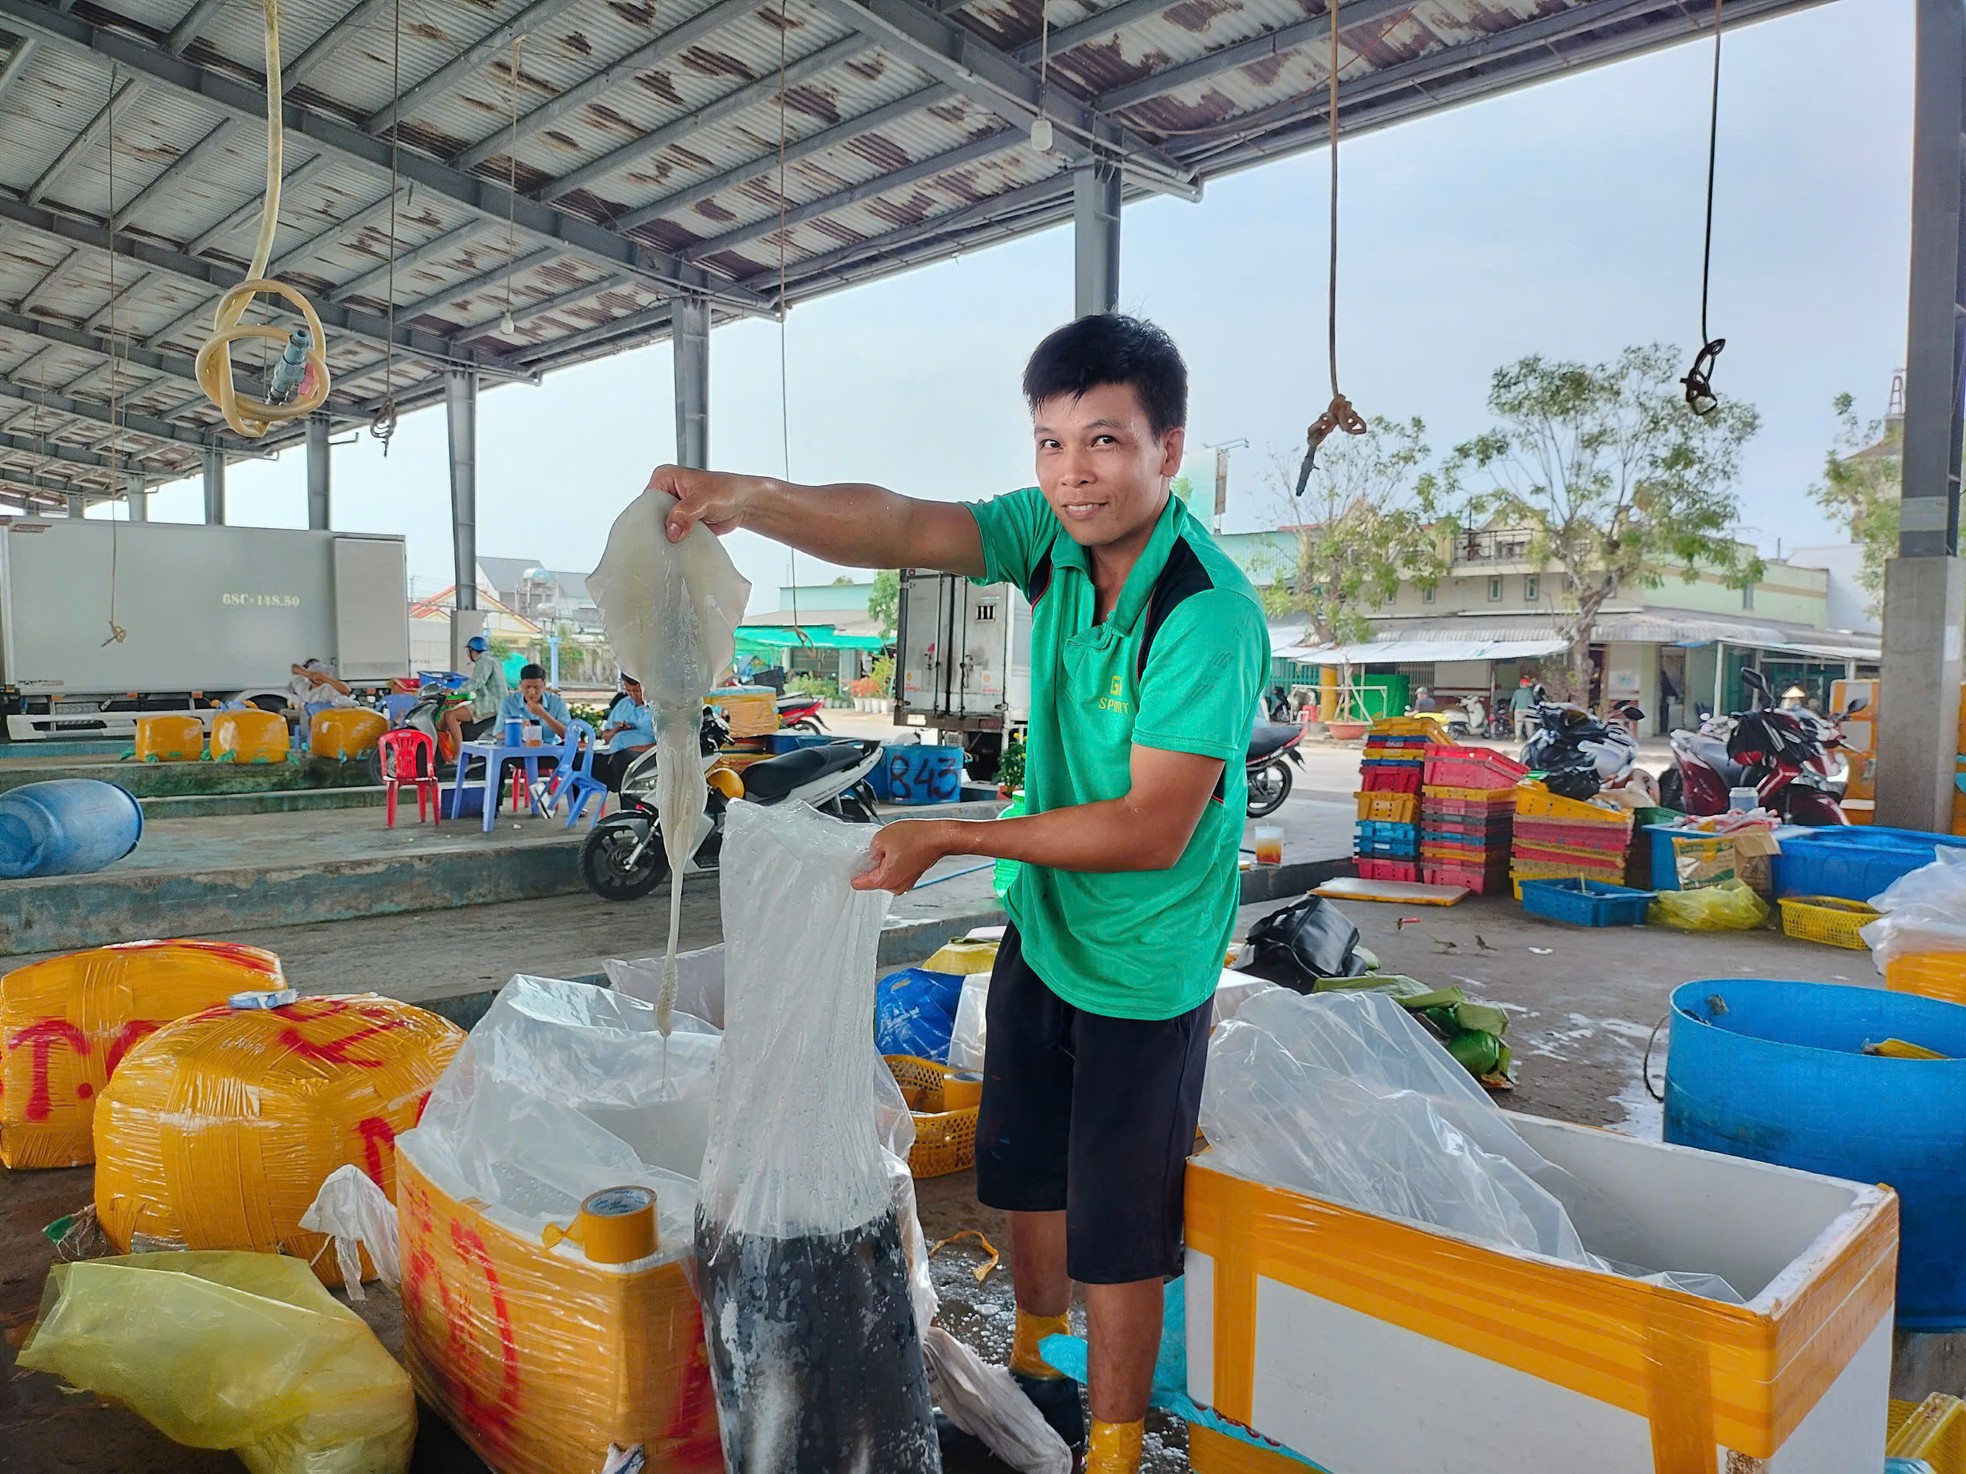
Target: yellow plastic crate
1379,807
1826,919
1497,798
1933,1430
945,1141
1404,727
1534,801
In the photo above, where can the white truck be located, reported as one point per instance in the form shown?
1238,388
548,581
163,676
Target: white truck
965,663
102,622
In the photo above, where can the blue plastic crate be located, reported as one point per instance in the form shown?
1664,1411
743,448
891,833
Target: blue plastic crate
1853,862
1383,830
1585,902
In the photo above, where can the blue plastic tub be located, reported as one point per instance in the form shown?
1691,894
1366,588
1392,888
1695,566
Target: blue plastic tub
923,773
1667,843
1585,902
68,826
1774,1071
783,742
1852,862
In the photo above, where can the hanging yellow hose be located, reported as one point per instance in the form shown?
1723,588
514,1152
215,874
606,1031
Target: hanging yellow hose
249,416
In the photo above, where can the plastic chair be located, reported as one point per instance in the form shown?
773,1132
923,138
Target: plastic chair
573,778
409,756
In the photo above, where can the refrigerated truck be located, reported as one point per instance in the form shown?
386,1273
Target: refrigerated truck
102,622
964,663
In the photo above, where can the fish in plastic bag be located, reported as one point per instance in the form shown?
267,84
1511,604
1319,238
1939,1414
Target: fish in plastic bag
671,611
230,1350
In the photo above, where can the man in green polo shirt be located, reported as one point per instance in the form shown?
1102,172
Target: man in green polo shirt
1148,653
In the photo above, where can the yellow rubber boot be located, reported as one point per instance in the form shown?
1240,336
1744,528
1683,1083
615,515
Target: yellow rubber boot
1115,1448
1031,1329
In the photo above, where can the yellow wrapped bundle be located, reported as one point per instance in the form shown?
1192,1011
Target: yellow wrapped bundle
249,735
218,1130
170,739
343,732
67,1023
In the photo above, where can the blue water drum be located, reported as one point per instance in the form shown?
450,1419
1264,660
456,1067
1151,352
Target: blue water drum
69,826
924,773
1775,1071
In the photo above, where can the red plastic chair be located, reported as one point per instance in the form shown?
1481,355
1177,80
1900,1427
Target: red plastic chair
409,756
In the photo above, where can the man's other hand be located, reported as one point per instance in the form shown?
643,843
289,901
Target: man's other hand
902,852
717,499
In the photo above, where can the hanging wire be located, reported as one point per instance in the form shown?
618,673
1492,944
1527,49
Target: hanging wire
1339,414
512,186
382,424
117,634
1698,382
784,370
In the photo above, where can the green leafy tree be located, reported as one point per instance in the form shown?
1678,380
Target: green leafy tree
1183,487
1863,473
1367,522
1615,479
884,604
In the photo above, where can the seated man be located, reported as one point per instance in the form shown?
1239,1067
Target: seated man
472,715
532,702
316,684
630,732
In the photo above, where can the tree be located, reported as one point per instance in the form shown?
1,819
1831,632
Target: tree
1183,488
1614,478
1367,521
884,604
1862,480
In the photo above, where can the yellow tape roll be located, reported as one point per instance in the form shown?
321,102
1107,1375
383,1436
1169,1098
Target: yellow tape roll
614,1226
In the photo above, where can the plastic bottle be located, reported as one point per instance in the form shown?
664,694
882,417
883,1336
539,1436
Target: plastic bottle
69,826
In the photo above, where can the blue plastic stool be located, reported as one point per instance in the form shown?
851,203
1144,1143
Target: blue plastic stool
573,777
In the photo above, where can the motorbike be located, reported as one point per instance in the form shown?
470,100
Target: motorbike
623,857
798,712
1476,720
1272,753
426,715
1579,754
1788,756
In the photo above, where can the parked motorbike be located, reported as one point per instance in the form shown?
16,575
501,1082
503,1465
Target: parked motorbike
1788,756
426,716
799,712
1272,753
623,857
1579,754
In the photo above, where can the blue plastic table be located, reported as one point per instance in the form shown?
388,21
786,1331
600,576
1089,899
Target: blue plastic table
496,755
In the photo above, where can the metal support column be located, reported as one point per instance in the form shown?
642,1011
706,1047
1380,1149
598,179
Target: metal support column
461,411
691,328
1925,585
1096,238
77,504
319,477
214,486
139,500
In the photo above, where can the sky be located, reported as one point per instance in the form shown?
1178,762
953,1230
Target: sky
1564,219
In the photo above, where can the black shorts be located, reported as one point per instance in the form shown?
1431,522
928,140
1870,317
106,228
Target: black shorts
1091,1115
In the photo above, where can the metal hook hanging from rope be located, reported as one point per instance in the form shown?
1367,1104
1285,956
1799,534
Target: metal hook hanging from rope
1698,382
1339,414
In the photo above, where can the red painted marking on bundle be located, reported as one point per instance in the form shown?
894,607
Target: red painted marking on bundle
41,1038
335,1051
376,1133
125,1040
493,1416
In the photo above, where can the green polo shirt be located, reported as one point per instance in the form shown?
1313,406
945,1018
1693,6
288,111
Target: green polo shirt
1131,944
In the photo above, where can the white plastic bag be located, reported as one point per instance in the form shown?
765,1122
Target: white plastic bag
972,1025
699,981
1345,1096
1924,911
356,1215
807,1308
670,610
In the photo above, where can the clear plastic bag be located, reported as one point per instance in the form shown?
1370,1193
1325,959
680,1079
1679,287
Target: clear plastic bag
357,1217
671,611
814,1347
1726,906
1924,911
972,1025
230,1350
1346,1097
699,981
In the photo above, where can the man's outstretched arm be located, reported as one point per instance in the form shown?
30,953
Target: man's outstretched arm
853,523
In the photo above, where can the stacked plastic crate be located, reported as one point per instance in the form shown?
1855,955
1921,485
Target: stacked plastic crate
1560,838
1386,845
1466,805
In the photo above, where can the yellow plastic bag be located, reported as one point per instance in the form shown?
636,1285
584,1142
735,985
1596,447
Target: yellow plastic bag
249,736
232,1351
218,1130
67,1023
170,739
1728,906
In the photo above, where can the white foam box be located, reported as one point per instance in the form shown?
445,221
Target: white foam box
1370,1345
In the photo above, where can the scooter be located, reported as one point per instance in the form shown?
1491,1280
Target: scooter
623,857
1271,746
1789,757
799,712
426,716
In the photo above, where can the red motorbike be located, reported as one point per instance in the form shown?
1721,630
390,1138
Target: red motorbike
798,712
1789,757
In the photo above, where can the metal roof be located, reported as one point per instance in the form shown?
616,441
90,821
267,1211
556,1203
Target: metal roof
643,140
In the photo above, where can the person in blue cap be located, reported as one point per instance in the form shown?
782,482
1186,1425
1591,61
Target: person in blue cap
472,715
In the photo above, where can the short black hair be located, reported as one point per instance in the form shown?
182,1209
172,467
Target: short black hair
1112,348
532,672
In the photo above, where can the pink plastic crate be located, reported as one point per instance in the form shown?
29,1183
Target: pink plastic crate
1487,881
1388,870
1472,767
1389,778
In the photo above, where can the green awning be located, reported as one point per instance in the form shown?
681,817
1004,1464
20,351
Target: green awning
756,637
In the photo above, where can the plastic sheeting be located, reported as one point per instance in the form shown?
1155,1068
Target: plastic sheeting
670,610
217,1131
814,1348
235,1351
1346,1097
1924,911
